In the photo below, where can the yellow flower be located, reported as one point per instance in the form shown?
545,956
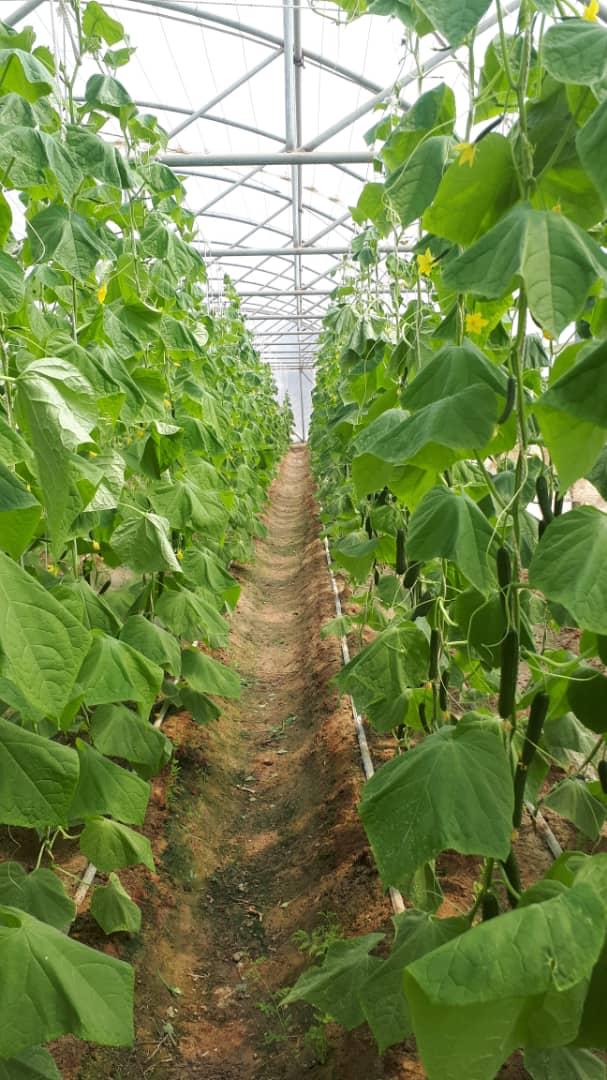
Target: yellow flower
52,569
556,209
179,554
425,262
591,11
547,335
466,153
96,546
101,293
166,403
140,433
475,323
92,453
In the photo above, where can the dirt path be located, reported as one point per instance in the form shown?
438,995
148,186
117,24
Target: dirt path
257,838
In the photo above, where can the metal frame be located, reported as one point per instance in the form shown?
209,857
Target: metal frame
285,303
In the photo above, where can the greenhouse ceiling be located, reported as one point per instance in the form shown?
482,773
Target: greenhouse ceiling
266,104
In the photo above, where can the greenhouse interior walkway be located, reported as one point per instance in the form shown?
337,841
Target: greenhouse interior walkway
262,835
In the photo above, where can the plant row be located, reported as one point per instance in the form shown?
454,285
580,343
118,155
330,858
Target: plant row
461,394
138,435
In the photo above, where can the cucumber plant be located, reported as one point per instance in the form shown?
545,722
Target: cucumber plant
452,415
138,435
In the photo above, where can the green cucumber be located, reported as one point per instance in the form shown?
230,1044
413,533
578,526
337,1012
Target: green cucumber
490,908
435,648
504,573
602,768
424,605
411,575
510,399
443,696
509,674
543,498
537,716
401,556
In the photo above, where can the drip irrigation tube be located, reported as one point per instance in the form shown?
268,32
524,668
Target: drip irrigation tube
398,904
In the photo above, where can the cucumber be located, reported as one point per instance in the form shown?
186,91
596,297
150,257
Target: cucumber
537,715
543,498
602,768
510,399
489,906
435,648
424,605
509,674
401,557
443,697
411,575
558,504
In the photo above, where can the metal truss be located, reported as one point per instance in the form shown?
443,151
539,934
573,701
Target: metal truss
284,296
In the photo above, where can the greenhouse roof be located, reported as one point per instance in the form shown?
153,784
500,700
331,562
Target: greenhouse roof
266,103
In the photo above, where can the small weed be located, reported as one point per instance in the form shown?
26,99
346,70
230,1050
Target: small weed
280,730
174,786
316,943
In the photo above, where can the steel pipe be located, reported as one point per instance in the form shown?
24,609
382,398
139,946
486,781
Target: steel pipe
294,157
22,11
226,93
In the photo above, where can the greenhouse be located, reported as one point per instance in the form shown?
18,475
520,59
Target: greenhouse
303,539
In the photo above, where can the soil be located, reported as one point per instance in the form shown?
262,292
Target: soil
257,839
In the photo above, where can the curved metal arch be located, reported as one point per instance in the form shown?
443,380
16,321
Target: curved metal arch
247,221
262,36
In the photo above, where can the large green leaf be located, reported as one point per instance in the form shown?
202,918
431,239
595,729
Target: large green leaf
24,74
19,513
111,845
189,615
435,436
12,284
35,1063
382,995
452,370
113,671
187,507
381,675
564,1063
590,142
52,986
40,893
104,788
451,526
356,552
66,238
573,800
107,94
208,676
453,790
570,566
472,197
57,407
98,23
411,188
454,18
144,544
587,696
119,732
204,569
518,980
575,51
43,644
113,909
573,414
159,646
38,778
333,988
556,259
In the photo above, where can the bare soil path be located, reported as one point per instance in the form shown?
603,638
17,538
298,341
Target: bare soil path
257,838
